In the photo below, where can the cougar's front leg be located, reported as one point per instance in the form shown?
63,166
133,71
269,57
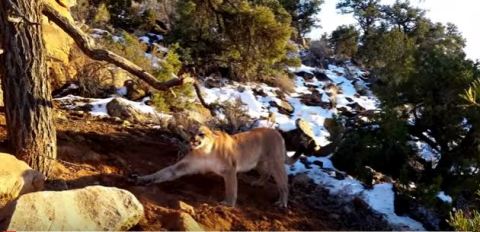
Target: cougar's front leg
231,185
169,173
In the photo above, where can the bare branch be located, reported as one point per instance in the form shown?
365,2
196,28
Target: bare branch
87,45
211,108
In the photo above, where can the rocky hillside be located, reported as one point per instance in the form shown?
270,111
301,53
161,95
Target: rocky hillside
106,135
102,141
318,96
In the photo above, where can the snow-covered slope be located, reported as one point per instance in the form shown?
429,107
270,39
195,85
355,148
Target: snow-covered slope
318,94
353,94
259,107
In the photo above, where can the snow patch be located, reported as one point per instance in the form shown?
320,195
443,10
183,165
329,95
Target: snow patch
444,197
380,198
122,91
99,105
259,107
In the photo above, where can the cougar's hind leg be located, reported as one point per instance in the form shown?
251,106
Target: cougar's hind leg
281,179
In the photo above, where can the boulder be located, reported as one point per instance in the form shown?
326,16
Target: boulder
134,91
283,107
321,76
119,107
361,89
331,125
302,180
305,75
259,92
315,99
213,83
17,178
356,107
92,208
58,44
306,131
301,140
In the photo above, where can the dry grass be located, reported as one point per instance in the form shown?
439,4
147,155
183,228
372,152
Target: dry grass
320,49
235,119
94,80
284,82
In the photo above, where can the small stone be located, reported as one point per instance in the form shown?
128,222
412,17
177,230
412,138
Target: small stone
185,207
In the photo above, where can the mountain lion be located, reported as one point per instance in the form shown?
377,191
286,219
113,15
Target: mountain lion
225,155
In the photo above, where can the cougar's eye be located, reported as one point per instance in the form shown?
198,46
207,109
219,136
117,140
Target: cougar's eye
201,134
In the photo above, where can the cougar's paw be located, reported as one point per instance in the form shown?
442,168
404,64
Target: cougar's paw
132,177
137,179
228,203
281,204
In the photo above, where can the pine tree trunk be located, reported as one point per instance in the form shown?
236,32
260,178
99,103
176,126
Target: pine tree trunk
27,93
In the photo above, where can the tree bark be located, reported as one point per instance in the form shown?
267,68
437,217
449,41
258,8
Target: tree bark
27,92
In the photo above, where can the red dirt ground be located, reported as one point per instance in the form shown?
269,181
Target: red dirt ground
96,151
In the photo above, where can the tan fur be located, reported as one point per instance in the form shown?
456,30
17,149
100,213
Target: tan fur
225,155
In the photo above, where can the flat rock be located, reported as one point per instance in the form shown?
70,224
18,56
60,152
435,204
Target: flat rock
305,128
120,108
283,107
92,208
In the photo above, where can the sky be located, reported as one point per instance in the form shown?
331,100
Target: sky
463,13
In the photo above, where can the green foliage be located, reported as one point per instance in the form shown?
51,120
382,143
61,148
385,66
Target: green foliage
83,11
102,16
380,144
120,13
178,98
250,39
344,40
303,13
366,12
130,48
402,15
466,220
472,94
463,221
427,88
390,56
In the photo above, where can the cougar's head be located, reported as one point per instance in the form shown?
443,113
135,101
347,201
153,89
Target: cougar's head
203,136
